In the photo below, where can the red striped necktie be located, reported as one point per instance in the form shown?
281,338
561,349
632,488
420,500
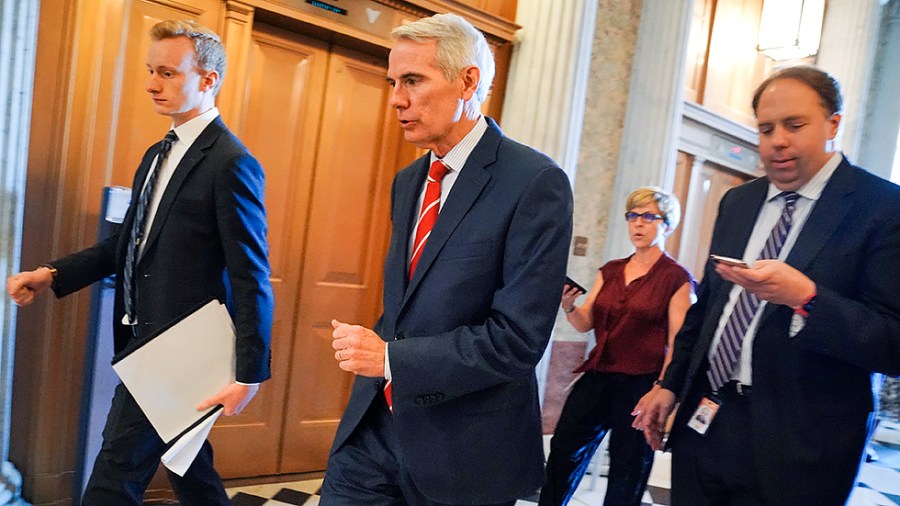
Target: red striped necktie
431,206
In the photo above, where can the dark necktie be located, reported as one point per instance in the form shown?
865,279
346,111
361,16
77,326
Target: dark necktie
137,227
728,351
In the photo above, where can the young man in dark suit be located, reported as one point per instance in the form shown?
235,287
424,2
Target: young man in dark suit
444,409
783,352
195,229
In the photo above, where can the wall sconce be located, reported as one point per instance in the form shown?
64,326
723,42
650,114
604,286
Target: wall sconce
790,29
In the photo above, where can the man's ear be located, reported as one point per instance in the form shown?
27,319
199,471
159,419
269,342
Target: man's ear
208,80
471,76
835,123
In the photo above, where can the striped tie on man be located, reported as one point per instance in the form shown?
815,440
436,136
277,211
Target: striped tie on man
137,228
431,206
728,350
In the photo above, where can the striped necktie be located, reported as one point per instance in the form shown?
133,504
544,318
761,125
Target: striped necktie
431,206
728,351
137,228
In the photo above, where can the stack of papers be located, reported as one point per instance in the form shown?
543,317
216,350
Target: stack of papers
174,371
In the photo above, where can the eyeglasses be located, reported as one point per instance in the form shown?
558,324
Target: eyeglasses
646,217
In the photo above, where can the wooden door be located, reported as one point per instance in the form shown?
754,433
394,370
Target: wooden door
701,188
282,109
342,265
318,121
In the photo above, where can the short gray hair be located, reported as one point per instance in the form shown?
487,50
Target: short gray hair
459,45
209,53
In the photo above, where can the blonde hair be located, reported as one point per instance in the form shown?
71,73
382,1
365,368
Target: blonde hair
209,53
459,45
668,205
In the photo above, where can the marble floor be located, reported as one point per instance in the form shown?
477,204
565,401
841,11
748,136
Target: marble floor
879,483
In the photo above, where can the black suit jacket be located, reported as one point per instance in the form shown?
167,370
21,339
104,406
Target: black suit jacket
812,393
468,329
208,239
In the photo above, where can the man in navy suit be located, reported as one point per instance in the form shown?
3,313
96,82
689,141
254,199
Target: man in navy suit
469,300
792,409
202,236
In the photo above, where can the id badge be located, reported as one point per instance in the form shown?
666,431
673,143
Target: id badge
703,417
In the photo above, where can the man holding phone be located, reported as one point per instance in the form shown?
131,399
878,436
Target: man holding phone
779,356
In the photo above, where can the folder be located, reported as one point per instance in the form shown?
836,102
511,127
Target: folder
173,371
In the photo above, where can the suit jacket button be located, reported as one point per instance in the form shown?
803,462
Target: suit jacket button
420,400
398,336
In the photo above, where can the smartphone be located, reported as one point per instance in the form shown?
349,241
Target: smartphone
571,282
734,262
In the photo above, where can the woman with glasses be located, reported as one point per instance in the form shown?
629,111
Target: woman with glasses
636,306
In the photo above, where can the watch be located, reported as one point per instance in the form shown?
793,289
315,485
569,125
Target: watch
53,273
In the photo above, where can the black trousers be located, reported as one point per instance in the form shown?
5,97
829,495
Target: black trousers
716,468
129,457
598,403
721,467
366,469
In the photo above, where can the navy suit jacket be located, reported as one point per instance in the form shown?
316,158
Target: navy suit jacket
208,240
812,393
468,329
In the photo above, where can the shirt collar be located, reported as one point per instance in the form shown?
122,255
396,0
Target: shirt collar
188,131
457,156
812,190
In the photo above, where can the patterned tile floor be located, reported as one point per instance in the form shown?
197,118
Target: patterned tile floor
879,483
277,494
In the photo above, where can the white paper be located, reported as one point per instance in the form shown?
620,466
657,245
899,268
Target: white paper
182,454
178,369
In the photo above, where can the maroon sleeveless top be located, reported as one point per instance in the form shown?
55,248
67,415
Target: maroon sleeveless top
631,323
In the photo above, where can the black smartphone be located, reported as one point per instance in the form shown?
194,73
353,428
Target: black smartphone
571,282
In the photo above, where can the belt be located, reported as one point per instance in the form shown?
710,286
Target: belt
736,389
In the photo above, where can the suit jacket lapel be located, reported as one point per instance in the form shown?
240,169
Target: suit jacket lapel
468,186
742,228
828,213
396,279
745,208
194,155
137,186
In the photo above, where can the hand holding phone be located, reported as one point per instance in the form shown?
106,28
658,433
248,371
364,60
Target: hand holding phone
734,262
572,284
